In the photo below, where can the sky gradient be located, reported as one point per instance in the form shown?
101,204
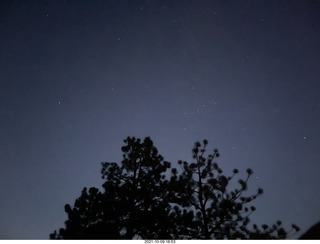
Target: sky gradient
77,77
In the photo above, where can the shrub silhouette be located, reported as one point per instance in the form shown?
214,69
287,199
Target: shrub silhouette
141,199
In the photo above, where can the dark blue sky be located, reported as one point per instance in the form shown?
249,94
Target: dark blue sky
77,77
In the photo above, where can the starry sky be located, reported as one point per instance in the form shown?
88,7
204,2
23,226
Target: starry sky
77,77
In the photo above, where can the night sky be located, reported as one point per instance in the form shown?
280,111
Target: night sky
78,77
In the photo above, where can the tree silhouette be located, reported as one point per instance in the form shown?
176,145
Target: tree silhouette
92,217
219,213
142,200
138,186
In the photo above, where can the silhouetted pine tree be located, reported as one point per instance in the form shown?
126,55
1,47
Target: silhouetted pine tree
140,201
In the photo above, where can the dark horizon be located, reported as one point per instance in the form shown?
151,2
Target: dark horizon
78,77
